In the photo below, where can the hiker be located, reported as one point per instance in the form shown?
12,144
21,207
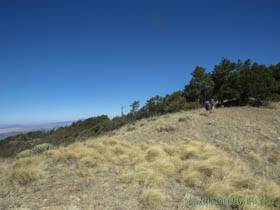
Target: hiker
207,106
212,102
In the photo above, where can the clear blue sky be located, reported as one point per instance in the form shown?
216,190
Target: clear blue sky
67,60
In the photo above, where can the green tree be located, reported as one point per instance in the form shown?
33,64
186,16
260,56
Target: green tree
245,72
155,105
262,83
200,86
174,102
276,74
134,107
226,81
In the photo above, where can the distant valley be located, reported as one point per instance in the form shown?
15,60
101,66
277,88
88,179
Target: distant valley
12,130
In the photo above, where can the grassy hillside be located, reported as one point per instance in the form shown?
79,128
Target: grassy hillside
156,163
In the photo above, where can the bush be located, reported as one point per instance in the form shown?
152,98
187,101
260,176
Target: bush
131,128
41,148
183,119
190,105
25,153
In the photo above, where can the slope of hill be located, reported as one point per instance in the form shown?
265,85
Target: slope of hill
167,162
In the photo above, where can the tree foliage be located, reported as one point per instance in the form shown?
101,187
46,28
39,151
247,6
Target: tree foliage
200,86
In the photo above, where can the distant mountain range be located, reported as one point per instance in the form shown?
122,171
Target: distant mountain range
12,130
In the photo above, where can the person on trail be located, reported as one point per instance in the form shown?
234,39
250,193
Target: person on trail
207,105
212,102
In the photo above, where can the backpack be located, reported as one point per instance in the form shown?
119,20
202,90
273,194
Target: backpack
206,103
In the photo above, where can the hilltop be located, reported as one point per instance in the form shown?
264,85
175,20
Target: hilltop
156,163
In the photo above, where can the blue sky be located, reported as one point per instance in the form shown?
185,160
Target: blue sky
67,60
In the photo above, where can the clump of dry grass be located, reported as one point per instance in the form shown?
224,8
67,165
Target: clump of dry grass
26,170
170,150
61,155
152,198
154,153
254,157
166,128
111,142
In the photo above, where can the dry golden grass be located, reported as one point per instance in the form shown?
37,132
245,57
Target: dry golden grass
26,170
198,165
194,163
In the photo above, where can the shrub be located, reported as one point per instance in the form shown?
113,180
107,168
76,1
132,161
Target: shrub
25,153
183,119
190,105
131,128
41,148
